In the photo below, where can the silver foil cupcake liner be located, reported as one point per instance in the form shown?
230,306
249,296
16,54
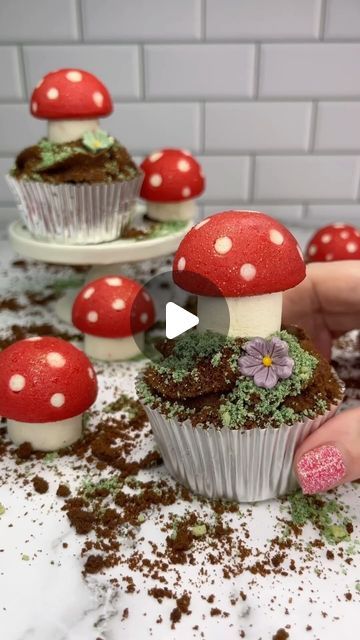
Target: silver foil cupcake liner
76,213
244,466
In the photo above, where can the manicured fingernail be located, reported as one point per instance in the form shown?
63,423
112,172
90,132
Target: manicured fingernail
321,469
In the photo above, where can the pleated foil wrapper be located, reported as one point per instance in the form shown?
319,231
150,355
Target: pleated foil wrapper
76,213
244,466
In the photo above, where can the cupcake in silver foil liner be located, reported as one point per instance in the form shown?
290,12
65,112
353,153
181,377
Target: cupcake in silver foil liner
76,213
232,464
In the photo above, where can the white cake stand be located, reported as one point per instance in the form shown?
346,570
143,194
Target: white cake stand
105,259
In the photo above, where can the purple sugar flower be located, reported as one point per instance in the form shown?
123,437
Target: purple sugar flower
266,361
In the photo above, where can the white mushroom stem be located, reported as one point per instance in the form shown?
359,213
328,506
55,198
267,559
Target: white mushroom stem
168,211
68,130
112,349
248,317
46,436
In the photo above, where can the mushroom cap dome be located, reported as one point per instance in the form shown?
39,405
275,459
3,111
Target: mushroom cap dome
238,253
171,175
45,380
113,307
336,241
70,94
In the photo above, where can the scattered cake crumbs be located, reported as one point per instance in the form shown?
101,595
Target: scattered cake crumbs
40,485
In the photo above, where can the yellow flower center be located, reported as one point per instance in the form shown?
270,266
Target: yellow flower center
267,361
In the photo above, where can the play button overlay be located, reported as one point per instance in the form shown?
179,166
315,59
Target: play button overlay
175,311
178,320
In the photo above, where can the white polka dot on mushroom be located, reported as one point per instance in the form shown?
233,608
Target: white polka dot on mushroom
74,76
338,225
39,83
248,271
181,264
98,98
300,252
183,166
351,247
17,382
146,296
91,373
88,293
34,339
185,152
186,192
312,250
276,237
329,256
55,359
156,156
34,106
155,180
201,224
223,245
326,238
57,400
52,93
344,235
113,282
144,317
92,316
118,304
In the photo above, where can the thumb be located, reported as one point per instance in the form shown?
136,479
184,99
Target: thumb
330,455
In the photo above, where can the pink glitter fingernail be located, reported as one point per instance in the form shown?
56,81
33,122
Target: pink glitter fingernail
321,469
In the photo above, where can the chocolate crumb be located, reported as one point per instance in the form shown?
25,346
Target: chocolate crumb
40,485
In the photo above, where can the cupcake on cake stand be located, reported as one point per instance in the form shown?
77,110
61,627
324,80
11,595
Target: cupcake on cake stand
77,188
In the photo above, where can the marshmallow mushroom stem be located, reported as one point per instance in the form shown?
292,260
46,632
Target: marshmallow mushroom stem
46,436
168,211
112,349
243,317
61,131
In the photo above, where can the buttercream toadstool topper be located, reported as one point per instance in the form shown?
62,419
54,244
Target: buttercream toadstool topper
238,263
72,101
337,241
46,384
172,179
113,312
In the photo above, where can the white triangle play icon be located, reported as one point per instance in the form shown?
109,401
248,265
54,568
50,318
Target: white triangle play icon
178,320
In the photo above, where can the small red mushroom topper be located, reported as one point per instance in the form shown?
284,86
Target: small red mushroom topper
171,175
45,380
70,94
238,253
113,307
336,241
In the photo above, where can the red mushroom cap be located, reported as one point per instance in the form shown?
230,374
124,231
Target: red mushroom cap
238,253
336,241
171,175
45,380
113,307
69,94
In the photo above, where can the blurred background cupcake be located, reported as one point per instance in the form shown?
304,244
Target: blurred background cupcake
78,185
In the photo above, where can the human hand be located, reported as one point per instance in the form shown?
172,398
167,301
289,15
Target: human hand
327,304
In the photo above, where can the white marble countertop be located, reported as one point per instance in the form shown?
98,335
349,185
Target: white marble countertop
45,596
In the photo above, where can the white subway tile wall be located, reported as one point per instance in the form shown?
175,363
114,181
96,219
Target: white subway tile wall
265,92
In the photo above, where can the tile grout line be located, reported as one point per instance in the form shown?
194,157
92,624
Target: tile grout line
22,67
313,125
142,73
322,20
79,20
251,178
257,70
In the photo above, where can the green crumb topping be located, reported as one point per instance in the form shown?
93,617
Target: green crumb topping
141,518
112,485
2,509
126,404
266,406
25,557
199,530
165,228
326,514
50,457
357,586
51,153
192,347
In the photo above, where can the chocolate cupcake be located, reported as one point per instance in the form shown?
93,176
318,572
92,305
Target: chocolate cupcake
230,401
78,185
